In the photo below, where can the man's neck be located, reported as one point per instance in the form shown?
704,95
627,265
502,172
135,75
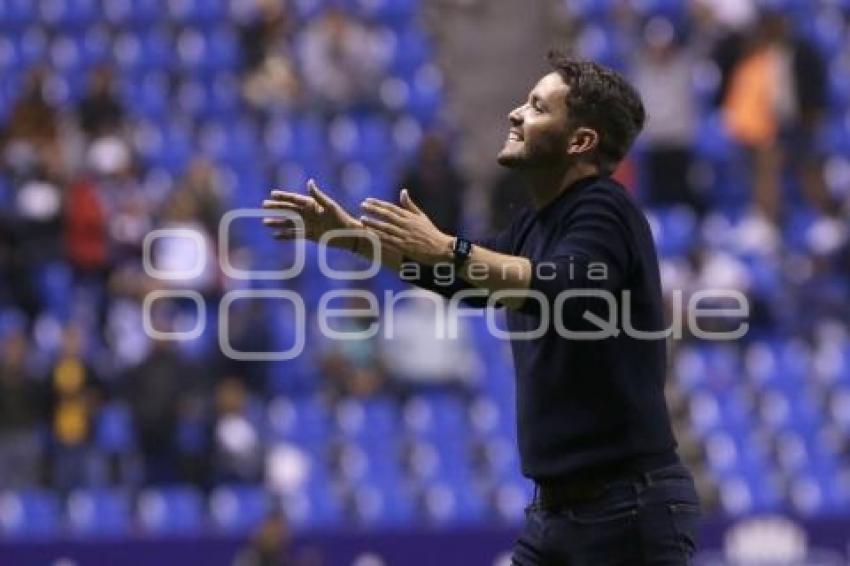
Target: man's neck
546,184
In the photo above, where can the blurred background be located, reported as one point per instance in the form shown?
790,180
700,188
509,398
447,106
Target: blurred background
120,117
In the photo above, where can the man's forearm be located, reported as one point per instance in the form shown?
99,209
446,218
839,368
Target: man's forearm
371,248
485,269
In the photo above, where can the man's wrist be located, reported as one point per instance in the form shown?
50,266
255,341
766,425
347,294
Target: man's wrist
447,247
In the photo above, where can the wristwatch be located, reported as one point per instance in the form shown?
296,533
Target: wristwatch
461,250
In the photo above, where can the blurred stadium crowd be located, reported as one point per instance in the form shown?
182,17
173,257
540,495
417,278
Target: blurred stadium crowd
124,116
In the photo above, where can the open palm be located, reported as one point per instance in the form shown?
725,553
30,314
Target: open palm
319,213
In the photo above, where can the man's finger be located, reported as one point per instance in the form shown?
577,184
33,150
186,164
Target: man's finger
408,203
309,203
320,197
386,210
280,205
289,196
381,227
278,222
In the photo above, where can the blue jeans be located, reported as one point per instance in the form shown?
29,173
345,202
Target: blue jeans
633,523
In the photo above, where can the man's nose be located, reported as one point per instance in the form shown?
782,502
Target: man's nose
515,116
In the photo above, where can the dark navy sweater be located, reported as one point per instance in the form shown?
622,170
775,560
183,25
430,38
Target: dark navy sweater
585,404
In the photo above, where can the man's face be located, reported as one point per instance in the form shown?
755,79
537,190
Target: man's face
539,134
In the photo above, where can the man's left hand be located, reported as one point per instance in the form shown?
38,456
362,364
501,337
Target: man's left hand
407,229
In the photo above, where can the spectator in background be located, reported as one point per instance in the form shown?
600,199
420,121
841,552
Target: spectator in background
32,229
75,395
353,367
158,391
722,27
238,454
100,112
269,545
86,229
32,132
22,412
87,245
774,107
202,184
435,183
270,79
340,63
662,70
267,32
179,253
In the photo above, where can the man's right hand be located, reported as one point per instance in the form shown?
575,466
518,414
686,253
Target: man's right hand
320,214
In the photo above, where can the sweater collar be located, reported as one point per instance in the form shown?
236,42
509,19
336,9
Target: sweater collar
567,195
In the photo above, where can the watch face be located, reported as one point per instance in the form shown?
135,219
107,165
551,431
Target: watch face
462,249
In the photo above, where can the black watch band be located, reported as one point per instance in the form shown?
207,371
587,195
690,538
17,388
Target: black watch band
461,250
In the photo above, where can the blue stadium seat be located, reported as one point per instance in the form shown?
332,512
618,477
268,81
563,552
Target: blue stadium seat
361,179
712,139
411,50
308,9
146,94
29,48
762,494
114,429
839,92
144,12
319,507
137,14
435,415
223,50
99,512
500,458
229,143
807,495
382,504
299,418
360,137
15,14
675,230
373,418
397,13
29,513
425,95
493,416
238,508
295,138
375,459
510,499
197,12
171,510
148,50
207,52
166,144
452,504
53,283
68,14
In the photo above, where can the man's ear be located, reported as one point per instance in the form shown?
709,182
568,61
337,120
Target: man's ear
583,140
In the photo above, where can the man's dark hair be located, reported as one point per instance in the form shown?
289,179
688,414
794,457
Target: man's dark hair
601,99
